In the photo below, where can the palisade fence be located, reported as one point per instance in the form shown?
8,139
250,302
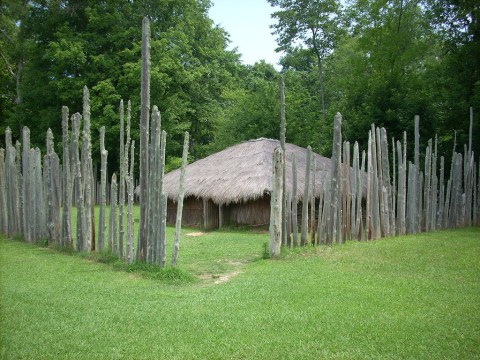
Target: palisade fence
378,194
36,199
367,196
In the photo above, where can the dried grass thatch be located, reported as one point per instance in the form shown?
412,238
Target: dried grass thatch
243,172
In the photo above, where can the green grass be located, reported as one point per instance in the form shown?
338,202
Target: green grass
412,297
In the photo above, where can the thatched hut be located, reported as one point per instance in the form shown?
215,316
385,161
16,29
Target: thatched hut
233,186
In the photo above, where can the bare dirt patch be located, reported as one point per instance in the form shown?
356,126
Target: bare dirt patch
225,277
198,233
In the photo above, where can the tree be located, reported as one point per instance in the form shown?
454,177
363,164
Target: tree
98,44
12,12
315,23
253,108
381,72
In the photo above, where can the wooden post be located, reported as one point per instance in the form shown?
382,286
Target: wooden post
294,202
67,184
347,196
417,193
121,184
3,195
386,187
87,173
26,183
282,144
144,131
181,194
112,238
306,198
393,199
288,217
434,189
155,191
402,191
313,169
130,190
336,155
427,193
162,202
276,203
441,194
102,223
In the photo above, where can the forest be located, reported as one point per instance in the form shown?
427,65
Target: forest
376,61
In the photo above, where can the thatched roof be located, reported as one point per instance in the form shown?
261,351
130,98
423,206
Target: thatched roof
243,172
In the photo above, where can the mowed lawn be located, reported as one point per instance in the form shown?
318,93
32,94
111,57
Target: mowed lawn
411,297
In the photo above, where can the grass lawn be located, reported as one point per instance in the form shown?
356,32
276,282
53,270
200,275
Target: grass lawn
415,297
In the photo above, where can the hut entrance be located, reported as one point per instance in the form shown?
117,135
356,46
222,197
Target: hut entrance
210,215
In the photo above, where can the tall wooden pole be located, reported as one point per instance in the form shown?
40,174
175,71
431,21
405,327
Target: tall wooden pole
306,198
102,223
294,202
181,193
276,203
144,135
282,144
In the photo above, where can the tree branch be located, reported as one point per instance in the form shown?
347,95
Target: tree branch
9,67
10,40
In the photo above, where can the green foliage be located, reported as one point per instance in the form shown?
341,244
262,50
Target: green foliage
373,61
265,251
98,44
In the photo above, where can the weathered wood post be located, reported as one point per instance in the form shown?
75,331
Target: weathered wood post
417,192
393,198
294,202
276,203
18,165
121,184
332,219
162,204
306,198
87,174
282,144
78,181
67,183
112,232
385,185
11,187
3,195
51,169
26,183
346,189
181,193
102,223
130,190
144,135
402,190
153,156
313,170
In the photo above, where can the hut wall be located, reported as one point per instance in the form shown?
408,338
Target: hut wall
196,212
192,212
210,215
249,213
